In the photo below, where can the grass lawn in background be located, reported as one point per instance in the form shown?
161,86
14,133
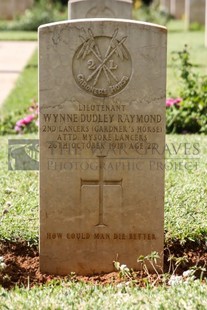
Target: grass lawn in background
18,35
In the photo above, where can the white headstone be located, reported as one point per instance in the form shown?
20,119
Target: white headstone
102,140
177,8
100,8
195,12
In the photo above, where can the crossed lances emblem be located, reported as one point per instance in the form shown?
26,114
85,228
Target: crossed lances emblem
105,73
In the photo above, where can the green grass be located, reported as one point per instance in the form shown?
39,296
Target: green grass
25,90
186,188
70,295
18,200
18,35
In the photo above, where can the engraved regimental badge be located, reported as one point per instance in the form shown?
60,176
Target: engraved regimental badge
102,64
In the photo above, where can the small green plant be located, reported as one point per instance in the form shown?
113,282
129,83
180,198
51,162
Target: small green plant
199,269
150,260
176,262
189,115
124,272
149,263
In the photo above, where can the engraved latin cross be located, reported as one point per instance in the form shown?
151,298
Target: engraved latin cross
101,183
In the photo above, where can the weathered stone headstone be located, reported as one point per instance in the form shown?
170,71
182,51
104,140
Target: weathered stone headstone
177,8
102,140
100,8
194,12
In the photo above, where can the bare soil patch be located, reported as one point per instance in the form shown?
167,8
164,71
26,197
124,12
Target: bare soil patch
22,266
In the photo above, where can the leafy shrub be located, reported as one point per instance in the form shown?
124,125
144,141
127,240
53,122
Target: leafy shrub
7,123
151,14
43,12
17,123
196,27
189,115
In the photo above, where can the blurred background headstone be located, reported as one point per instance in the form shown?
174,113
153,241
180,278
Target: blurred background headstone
11,8
100,8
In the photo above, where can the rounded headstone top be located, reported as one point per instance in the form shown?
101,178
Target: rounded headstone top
100,9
